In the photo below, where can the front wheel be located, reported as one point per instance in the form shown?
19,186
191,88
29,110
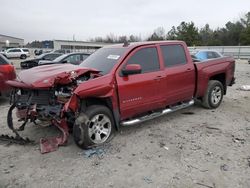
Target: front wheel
23,56
214,94
94,127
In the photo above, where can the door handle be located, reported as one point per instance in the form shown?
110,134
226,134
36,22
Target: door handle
158,78
189,69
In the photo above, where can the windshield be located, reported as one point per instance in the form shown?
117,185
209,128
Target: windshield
60,58
104,59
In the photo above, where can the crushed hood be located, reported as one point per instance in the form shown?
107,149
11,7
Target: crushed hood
50,75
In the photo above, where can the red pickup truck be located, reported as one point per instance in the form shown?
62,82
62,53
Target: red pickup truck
116,86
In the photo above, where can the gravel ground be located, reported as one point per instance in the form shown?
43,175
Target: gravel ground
203,148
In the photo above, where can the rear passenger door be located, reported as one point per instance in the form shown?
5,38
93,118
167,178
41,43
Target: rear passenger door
179,81
139,93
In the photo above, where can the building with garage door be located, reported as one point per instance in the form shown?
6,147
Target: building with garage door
10,42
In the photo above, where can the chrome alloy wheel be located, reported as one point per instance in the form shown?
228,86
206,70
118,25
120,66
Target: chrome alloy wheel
99,128
216,95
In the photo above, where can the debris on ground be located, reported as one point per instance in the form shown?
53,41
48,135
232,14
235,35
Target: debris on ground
202,184
244,88
161,145
214,128
148,180
166,148
224,167
16,140
95,151
238,140
191,166
6,171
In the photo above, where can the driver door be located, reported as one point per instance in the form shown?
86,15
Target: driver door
139,93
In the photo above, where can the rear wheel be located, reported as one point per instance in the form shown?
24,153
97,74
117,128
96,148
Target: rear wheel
214,94
94,127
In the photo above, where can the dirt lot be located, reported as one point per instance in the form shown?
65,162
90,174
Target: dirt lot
206,148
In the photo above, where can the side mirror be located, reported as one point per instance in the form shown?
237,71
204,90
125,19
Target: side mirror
131,69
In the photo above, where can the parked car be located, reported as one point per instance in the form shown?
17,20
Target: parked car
249,61
118,85
34,62
72,58
7,72
207,54
21,53
38,52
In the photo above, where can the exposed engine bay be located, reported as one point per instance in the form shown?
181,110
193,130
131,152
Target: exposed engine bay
46,104
32,105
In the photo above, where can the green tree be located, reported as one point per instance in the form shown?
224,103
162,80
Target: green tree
206,35
245,34
186,32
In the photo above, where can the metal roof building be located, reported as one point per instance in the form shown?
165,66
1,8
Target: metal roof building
77,45
9,41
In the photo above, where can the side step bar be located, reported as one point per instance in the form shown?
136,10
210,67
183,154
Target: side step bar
157,114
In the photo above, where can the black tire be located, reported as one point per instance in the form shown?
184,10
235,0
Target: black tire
84,124
23,56
208,100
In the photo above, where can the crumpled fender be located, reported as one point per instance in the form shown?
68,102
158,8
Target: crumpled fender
101,87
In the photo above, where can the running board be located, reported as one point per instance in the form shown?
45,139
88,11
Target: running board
157,114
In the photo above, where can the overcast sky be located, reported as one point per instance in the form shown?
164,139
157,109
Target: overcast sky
61,19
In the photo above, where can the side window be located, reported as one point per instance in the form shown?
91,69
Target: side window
84,57
173,55
216,55
48,57
147,58
12,50
55,56
15,50
73,58
210,55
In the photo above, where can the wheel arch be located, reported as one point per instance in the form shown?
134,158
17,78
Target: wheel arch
101,101
221,78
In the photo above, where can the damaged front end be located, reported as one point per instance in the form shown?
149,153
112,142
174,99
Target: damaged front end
43,101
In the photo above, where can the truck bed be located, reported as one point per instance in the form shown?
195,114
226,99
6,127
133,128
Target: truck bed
207,70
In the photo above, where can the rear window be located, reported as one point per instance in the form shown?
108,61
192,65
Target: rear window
173,55
25,50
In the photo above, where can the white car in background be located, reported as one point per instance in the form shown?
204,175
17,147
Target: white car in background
21,53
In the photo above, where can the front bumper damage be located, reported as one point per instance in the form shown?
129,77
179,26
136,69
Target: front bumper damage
27,110
51,144
48,93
